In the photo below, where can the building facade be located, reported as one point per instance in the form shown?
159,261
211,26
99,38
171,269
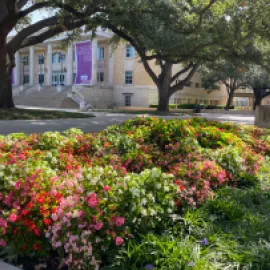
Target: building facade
119,78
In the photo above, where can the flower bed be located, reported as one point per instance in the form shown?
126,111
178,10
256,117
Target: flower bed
85,196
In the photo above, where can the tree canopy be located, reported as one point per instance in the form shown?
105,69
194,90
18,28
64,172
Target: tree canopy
184,33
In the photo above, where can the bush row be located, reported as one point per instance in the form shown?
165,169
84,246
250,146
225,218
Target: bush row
191,106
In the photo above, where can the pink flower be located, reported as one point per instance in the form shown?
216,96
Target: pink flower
119,241
99,226
3,223
18,185
54,217
119,221
12,217
92,200
2,243
106,188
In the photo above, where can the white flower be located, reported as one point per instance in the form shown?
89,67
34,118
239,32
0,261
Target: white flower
158,186
152,212
144,212
2,167
143,201
166,189
155,172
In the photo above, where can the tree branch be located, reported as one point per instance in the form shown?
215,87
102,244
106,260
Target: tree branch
21,3
33,40
17,41
182,83
139,49
57,4
184,70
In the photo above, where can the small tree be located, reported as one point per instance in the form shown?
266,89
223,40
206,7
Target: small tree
259,80
223,73
182,34
233,71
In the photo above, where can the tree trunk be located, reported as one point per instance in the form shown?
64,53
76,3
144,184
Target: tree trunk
6,66
257,102
163,99
257,97
229,101
164,88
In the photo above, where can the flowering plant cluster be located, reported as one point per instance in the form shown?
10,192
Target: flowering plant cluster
84,195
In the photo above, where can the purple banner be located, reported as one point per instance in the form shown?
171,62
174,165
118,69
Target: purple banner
13,76
83,52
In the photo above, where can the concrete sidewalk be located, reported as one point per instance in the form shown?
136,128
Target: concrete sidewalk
100,122
5,266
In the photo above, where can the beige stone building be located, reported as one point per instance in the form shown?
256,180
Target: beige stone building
119,79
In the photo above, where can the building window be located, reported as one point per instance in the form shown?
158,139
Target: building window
41,59
58,58
129,77
127,100
41,79
197,85
100,53
100,77
55,58
130,52
25,60
25,79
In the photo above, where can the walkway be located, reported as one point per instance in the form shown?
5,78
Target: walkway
4,266
100,122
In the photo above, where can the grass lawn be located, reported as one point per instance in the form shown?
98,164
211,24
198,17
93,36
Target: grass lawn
28,114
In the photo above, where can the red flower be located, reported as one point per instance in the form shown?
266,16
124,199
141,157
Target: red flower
178,182
40,200
47,221
181,187
37,246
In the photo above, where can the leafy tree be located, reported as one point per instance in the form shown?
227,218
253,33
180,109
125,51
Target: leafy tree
233,71
259,80
178,36
64,16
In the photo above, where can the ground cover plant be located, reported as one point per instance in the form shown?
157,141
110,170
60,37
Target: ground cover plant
147,194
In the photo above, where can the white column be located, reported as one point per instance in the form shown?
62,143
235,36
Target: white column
110,66
17,69
49,64
94,61
32,65
69,63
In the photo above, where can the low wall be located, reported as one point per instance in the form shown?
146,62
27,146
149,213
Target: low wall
262,118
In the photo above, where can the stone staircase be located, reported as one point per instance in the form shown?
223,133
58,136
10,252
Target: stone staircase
46,97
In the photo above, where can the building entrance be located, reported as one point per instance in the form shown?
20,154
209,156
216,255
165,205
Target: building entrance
58,79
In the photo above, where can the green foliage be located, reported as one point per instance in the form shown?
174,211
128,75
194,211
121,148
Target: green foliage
147,186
